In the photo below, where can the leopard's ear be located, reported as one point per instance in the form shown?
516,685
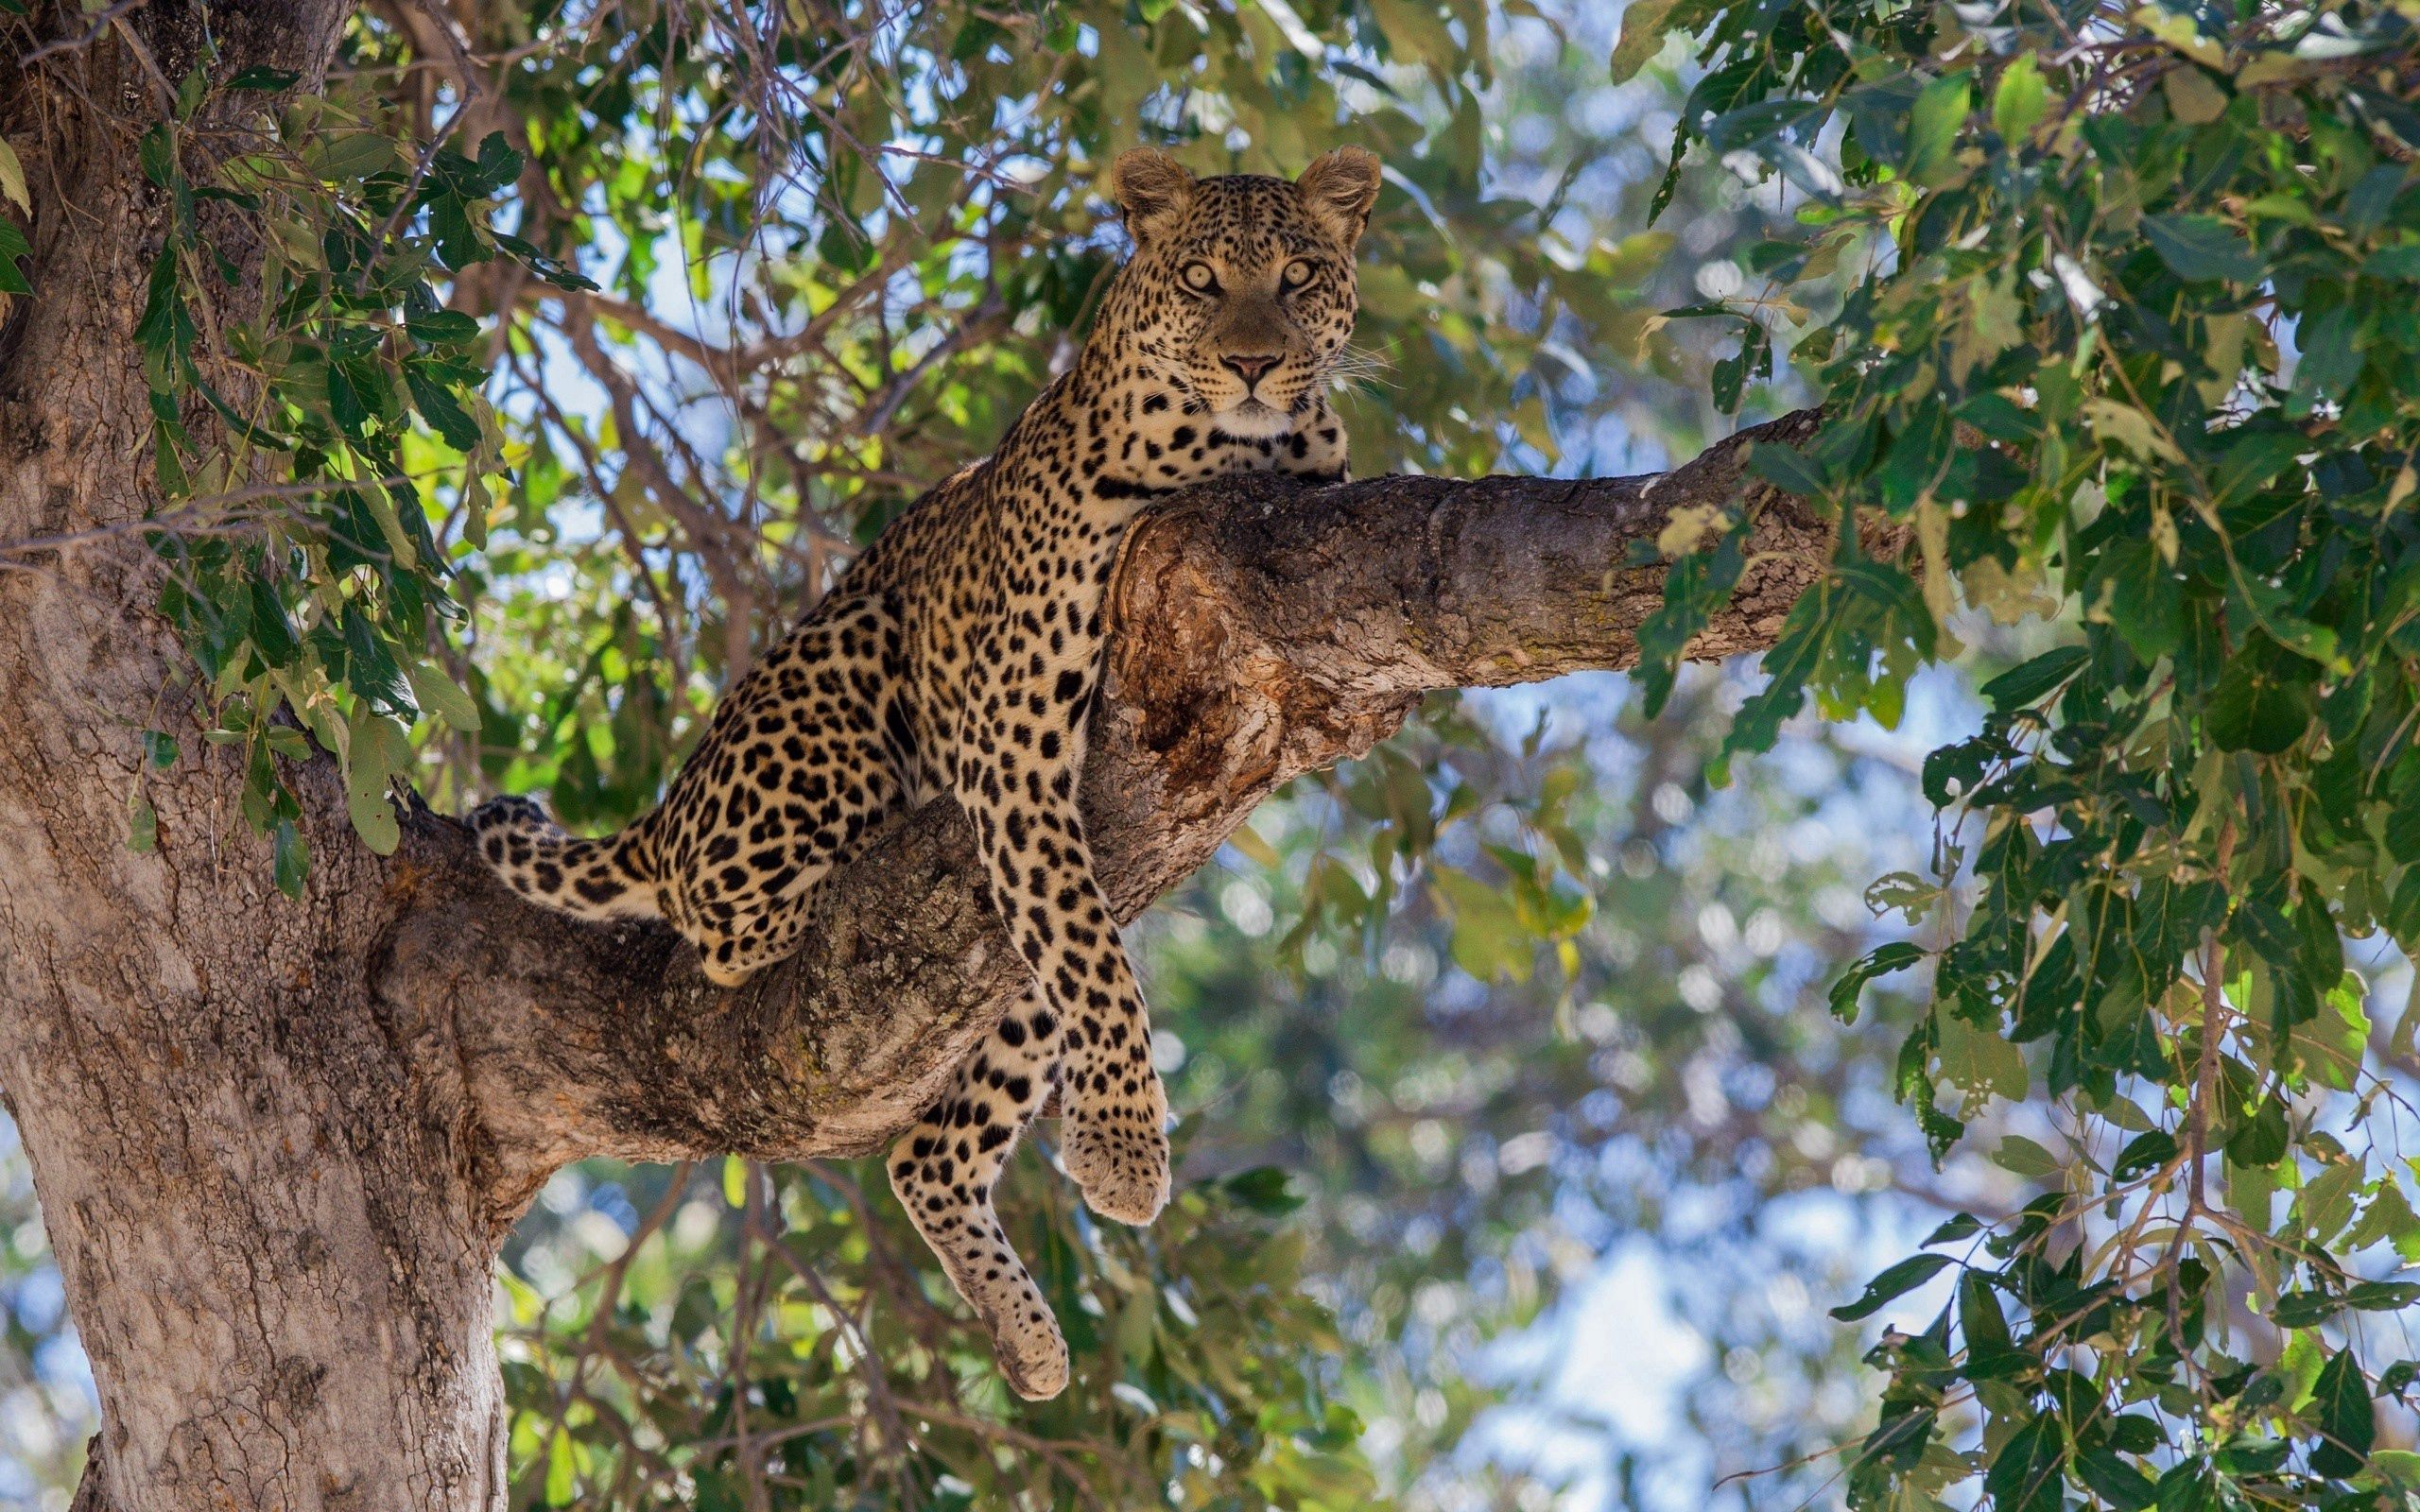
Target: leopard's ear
1338,189
1152,189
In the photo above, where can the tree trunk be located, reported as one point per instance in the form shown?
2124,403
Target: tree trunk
278,1143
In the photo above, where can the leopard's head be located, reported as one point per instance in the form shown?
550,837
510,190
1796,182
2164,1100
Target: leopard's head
1240,289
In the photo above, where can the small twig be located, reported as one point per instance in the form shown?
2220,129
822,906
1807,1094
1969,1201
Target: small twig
92,34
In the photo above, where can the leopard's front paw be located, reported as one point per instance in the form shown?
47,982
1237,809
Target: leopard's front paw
1119,1156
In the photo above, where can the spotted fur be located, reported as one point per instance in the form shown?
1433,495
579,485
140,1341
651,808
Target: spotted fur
960,655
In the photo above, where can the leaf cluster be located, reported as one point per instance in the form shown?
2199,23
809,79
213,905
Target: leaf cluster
2134,343
310,393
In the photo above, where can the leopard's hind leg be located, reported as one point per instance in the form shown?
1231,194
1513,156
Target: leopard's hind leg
943,1172
806,765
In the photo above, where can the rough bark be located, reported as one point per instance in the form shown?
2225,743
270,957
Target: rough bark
278,1142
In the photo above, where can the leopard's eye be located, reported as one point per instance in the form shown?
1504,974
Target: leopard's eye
1297,273
1199,278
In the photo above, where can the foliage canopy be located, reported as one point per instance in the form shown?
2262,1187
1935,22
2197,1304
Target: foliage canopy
2132,331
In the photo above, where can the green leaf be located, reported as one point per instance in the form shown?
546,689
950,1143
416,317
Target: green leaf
1132,1335
371,669
2113,1480
2141,596
2143,1153
142,827
2331,358
2026,1475
2020,99
267,80
292,853
2326,1203
14,247
443,695
2023,1156
166,330
1267,1190
2129,428
348,157
1979,1316
377,750
2262,1138
2257,707
2401,1468
2024,685
1724,382
1786,468
1894,1282
158,153
1490,940
1694,586
2347,1423
1978,1062
442,327
2331,1043
1963,1226
456,232
2381,1296
12,179
2191,97
1880,961
1642,36
2302,1310
2202,246
2388,1218
272,632
1939,115
544,266
189,94
2395,262
159,747
562,1481
498,164
444,412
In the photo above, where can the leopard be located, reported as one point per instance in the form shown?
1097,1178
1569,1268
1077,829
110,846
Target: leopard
960,656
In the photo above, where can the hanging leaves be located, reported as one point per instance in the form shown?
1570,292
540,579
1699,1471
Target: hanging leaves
2146,343
323,611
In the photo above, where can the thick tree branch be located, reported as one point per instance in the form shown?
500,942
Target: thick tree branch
1262,631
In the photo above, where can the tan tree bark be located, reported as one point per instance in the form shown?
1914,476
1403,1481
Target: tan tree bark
278,1143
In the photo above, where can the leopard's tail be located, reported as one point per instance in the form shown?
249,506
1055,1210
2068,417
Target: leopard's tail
537,858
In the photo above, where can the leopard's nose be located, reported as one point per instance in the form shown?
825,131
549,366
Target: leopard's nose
1248,365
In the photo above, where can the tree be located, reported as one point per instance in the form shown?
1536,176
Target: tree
2099,307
